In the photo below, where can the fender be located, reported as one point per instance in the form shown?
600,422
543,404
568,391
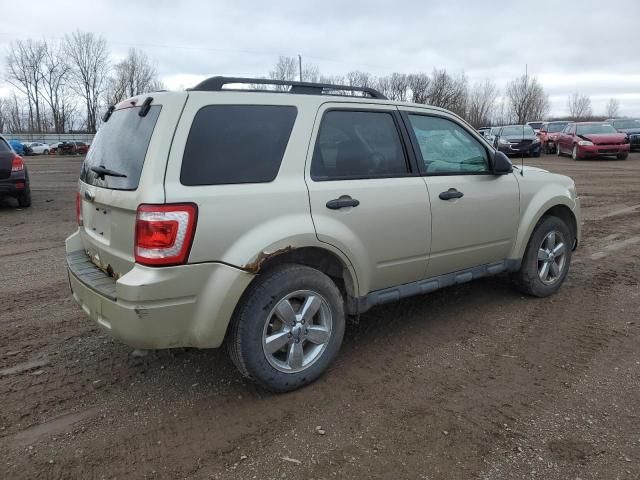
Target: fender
544,199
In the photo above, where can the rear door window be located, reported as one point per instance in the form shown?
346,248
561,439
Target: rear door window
120,146
355,144
230,144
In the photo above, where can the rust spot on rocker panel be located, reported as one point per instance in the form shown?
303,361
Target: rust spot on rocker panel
254,267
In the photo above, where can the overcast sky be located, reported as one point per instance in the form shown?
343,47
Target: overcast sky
585,46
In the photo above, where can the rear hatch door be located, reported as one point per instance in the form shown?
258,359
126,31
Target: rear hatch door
124,168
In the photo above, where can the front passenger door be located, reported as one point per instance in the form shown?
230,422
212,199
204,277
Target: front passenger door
474,213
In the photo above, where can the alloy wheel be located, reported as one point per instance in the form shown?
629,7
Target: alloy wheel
552,257
297,331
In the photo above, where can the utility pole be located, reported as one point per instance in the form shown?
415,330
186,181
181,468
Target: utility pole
300,65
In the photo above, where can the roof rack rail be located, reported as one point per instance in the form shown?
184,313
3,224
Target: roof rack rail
215,84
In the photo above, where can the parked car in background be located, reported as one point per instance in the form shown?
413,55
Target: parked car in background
319,230
484,131
535,125
17,146
81,148
14,178
492,134
517,140
38,148
630,126
67,148
548,135
592,139
53,148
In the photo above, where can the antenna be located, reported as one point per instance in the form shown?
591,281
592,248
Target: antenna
526,84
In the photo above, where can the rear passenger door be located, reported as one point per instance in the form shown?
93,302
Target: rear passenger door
367,198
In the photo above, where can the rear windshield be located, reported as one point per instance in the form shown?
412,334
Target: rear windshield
626,123
236,144
120,146
4,147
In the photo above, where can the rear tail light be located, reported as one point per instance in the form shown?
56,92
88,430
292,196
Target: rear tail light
164,233
18,164
79,208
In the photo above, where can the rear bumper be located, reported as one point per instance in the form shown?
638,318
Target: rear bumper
602,150
14,185
153,308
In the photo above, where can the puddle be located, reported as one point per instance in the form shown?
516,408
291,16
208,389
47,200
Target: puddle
55,426
24,367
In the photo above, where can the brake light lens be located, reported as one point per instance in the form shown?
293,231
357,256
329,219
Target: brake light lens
79,209
18,164
164,233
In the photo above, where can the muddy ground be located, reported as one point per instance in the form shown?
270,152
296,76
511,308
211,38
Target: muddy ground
475,381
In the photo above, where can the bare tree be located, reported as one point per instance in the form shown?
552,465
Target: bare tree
526,100
481,103
579,106
24,64
285,69
613,108
133,76
419,87
89,60
359,79
56,86
448,92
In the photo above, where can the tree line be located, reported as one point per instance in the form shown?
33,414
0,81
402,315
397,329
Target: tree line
63,85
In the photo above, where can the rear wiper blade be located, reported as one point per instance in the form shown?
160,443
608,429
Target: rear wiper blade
102,171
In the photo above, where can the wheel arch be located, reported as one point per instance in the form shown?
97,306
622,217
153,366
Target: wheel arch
560,206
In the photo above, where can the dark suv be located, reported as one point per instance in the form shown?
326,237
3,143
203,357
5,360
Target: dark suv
14,179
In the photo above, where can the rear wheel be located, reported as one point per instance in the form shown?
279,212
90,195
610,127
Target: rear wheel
24,199
288,328
545,264
622,156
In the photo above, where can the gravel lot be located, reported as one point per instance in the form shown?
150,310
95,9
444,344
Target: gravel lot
474,381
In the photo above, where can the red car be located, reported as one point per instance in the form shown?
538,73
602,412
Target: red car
548,135
82,148
592,139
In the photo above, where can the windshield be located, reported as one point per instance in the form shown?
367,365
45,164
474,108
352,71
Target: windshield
120,145
518,130
556,127
595,129
626,123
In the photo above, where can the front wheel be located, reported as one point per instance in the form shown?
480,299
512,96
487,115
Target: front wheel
46,152
288,328
558,152
546,261
574,153
622,156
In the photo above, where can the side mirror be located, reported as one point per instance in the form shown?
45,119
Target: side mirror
500,164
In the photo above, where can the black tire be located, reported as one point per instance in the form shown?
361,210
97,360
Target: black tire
24,199
622,156
536,154
558,152
527,279
574,153
245,337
